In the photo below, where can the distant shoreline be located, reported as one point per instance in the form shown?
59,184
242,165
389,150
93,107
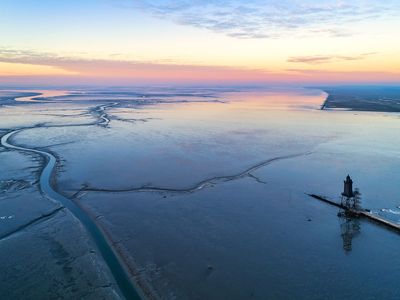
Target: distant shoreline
325,101
372,99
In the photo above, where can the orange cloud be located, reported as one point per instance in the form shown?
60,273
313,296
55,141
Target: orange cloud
23,69
85,71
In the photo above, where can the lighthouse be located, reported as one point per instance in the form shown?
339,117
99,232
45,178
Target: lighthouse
348,188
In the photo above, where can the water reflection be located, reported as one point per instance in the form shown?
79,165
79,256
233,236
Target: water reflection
349,222
41,94
350,228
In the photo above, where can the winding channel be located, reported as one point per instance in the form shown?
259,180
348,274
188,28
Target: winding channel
202,184
118,271
121,275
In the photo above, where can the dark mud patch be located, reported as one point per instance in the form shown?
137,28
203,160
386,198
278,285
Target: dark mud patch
13,185
132,120
41,218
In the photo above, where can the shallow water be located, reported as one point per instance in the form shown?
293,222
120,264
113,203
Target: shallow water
257,236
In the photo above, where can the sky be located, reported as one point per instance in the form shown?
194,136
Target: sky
128,42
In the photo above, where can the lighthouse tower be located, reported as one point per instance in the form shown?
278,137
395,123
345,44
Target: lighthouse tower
348,188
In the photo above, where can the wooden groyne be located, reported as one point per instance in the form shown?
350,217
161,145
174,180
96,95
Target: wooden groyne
326,200
380,220
360,213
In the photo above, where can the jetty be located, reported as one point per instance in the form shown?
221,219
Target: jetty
351,208
366,213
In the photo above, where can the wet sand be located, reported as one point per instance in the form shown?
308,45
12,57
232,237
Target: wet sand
177,214
125,274
47,176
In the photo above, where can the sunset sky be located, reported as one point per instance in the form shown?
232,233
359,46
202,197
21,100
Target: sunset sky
199,42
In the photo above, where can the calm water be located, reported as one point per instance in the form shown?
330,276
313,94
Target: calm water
254,237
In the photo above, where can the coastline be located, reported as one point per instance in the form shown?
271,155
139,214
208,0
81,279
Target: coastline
323,106
358,99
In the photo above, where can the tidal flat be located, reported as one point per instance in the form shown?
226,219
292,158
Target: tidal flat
200,193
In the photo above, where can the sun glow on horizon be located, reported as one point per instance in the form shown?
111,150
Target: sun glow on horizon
23,69
225,41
